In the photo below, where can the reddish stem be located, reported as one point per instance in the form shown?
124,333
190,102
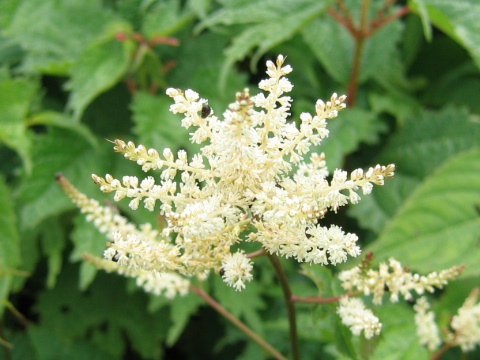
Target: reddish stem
322,300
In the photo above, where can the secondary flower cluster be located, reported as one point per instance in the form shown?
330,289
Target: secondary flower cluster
250,182
394,278
464,327
391,278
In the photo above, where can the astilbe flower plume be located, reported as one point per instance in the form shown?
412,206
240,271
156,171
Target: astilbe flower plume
250,182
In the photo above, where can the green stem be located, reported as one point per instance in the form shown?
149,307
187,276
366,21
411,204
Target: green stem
287,293
235,321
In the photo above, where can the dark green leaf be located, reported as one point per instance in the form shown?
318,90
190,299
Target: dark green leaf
98,69
62,121
57,150
53,244
181,311
156,126
16,96
9,243
458,19
163,19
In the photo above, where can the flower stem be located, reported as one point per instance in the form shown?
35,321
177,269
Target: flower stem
287,293
235,321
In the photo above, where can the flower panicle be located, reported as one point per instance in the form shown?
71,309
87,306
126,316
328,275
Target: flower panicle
240,181
393,277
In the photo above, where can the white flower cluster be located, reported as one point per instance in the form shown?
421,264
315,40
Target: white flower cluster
353,313
392,277
242,185
464,327
427,329
466,323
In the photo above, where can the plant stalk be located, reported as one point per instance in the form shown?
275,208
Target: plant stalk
287,293
239,324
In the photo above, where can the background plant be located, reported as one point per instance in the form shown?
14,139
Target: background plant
76,72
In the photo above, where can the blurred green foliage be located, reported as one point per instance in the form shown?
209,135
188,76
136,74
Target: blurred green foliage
76,72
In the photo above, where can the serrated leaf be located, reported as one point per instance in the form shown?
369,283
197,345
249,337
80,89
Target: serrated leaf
439,225
97,69
9,243
244,304
163,19
181,311
53,33
56,150
49,345
103,315
401,106
352,127
458,19
16,96
424,142
427,140
270,23
156,126
333,49
456,87
399,340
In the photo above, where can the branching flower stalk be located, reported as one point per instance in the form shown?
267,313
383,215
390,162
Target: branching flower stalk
250,182
362,32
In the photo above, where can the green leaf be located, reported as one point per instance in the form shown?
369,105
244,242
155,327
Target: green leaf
420,7
430,138
439,225
347,132
181,311
98,69
269,23
16,96
9,243
53,244
156,126
456,87
103,316
57,150
244,304
86,239
333,49
65,122
401,106
425,142
399,340
164,19
458,19
53,34
49,345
